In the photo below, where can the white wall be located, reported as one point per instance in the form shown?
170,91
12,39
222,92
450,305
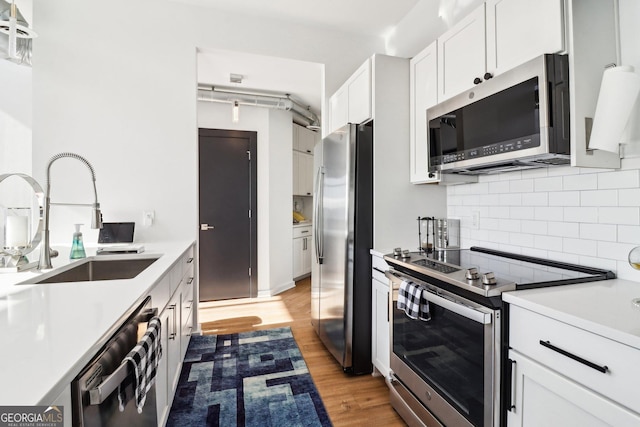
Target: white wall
274,166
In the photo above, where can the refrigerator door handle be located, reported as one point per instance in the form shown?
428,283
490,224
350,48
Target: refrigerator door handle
318,212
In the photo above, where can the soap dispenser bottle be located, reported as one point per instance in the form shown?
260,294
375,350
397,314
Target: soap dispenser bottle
77,247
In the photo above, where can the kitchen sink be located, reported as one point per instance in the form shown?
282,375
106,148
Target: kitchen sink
95,269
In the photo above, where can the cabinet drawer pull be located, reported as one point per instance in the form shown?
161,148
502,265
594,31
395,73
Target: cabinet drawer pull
305,231
603,369
190,260
190,281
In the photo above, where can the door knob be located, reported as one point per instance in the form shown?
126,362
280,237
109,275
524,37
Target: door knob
205,227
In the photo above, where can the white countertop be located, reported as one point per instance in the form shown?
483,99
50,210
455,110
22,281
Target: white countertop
604,308
50,331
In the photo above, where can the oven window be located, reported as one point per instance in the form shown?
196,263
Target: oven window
448,353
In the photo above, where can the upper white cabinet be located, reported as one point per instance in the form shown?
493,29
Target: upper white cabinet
352,102
423,79
496,37
303,139
519,30
462,55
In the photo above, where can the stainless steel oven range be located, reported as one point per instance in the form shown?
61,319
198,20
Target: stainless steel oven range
448,370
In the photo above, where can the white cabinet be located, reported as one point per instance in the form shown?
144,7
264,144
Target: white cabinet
178,321
496,37
302,241
303,139
352,102
462,55
302,174
563,375
423,79
380,321
520,30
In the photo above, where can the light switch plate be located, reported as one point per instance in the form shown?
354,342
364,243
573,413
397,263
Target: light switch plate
148,217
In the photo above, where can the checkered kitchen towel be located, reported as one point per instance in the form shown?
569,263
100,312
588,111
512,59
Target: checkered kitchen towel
144,359
410,300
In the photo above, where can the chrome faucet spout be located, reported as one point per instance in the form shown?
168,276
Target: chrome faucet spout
46,253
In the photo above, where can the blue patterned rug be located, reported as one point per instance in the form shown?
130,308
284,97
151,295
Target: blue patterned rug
253,378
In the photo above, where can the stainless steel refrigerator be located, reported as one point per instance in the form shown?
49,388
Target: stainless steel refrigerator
343,234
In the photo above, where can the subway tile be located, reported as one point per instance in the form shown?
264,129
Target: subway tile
521,186
535,199
548,243
548,184
540,253
594,170
624,216
580,182
520,212
510,176
513,199
611,250
490,223
629,197
535,173
580,246
479,234
602,232
534,227
499,237
548,213
563,229
455,200
563,170
521,239
471,200
512,225
626,272
619,179
511,248
489,178
581,214
629,234
599,198
499,187
499,212
478,188
564,198
490,200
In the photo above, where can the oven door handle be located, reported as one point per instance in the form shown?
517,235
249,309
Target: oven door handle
458,308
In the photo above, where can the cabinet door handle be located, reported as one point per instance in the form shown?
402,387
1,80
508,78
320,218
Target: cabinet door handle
190,281
172,336
511,407
190,260
547,344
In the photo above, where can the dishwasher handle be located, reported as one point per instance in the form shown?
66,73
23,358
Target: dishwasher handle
100,393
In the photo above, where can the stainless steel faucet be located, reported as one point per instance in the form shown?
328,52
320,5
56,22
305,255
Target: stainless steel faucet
46,253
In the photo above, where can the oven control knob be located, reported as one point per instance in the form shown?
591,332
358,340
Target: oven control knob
488,279
405,254
472,274
397,252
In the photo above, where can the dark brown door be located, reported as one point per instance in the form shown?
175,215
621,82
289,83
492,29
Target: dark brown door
227,193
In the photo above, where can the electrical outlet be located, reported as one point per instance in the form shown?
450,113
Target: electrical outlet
148,217
475,220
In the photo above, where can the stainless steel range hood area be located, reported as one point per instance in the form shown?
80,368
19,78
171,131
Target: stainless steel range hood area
301,114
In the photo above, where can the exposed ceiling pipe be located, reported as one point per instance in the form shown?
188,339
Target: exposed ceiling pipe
15,34
301,114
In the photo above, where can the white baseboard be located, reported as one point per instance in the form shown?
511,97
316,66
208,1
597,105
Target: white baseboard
275,291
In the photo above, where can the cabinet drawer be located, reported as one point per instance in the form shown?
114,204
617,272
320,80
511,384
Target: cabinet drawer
378,263
569,350
301,231
380,277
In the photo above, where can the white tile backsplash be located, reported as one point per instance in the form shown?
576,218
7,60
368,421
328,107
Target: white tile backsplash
580,215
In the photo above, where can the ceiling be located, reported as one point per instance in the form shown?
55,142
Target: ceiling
351,16
303,80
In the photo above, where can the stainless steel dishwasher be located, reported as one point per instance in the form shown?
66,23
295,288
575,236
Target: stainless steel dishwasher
95,390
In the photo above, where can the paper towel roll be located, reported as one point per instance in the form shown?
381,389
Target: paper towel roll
618,94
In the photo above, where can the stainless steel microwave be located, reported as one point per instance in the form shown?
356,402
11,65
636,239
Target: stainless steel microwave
517,120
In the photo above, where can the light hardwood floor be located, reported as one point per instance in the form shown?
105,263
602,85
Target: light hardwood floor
350,400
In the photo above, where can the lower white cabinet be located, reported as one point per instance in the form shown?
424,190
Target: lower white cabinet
562,375
302,242
177,324
543,397
380,317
